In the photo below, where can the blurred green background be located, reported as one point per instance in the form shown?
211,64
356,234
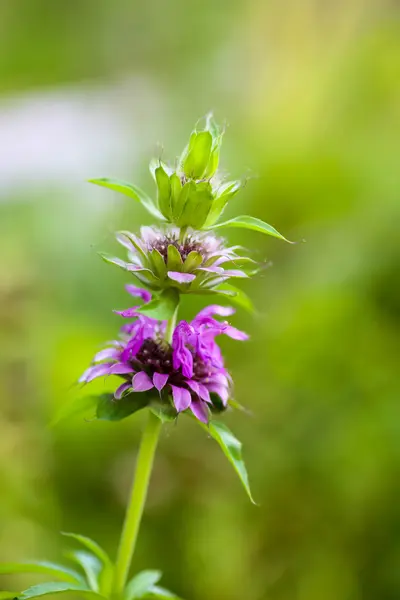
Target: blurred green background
311,93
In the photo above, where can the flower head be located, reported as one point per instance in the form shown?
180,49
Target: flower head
188,373
193,262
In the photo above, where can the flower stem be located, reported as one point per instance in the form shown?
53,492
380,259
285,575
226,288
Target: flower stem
169,332
137,501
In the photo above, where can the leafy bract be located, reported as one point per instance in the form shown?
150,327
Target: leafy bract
111,409
162,307
232,449
91,566
141,583
51,587
90,545
45,567
237,296
160,592
131,190
247,222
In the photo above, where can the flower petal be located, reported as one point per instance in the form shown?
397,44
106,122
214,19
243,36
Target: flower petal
204,393
138,292
120,369
216,309
199,409
141,382
159,380
96,371
234,333
181,277
128,313
121,389
182,398
106,353
220,390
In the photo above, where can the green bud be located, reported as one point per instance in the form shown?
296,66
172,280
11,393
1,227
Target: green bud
164,192
197,206
198,155
180,200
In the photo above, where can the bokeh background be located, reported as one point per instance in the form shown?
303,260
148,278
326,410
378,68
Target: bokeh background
310,91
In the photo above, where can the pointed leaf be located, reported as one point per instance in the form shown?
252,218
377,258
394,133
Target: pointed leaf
45,567
160,592
225,193
78,407
91,566
158,263
90,545
51,587
232,449
164,192
239,297
174,259
131,190
193,260
163,306
141,583
110,409
246,222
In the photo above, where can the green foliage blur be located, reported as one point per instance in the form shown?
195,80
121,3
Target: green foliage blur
311,94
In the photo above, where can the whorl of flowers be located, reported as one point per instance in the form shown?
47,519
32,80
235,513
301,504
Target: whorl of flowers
188,373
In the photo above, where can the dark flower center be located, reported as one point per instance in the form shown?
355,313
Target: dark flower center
156,356
185,247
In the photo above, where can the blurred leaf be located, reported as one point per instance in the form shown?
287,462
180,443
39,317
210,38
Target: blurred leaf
47,568
141,583
238,297
246,222
110,409
75,408
163,306
91,566
50,587
166,413
90,545
232,449
6,595
159,592
131,190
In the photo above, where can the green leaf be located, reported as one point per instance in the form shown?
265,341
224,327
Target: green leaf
51,587
163,306
239,297
180,200
197,206
6,595
110,409
159,592
158,263
76,408
225,193
246,222
131,190
164,192
198,154
232,449
165,412
90,545
45,567
193,260
141,583
91,566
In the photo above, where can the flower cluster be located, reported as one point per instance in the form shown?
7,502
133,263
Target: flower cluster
188,373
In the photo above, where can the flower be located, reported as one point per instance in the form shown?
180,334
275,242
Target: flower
188,373
193,262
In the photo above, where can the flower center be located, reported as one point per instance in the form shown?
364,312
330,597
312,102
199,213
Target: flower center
191,243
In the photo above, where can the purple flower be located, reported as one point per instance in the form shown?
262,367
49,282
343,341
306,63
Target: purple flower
191,261
183,373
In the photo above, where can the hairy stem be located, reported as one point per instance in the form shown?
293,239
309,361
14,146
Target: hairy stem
136,502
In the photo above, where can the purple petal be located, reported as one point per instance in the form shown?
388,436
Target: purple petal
159,380
141,382
216,309
96,371
106,353
182,398
121,389
138,292
199,409
220,390
204,393
193,386
120,369
213,269
128,313
181,277
234,273
234,333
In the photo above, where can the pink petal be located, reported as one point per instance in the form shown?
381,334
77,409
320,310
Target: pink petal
138,292
216,309
121,389
181,277
128,313
235,334
120,369
182,398
220,390
159,380
106,353
199,409
96,371
234,273
193,386
204,393
141,382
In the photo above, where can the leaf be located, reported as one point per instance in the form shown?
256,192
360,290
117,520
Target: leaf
76,408
197,206
131,190
90,545
239,297
246,222
91,566
159,592
166,413
164,192
158,263
141,583
193,260
198,154
162,307
110,409
51,587
45,567
232,449
226,192
174,259
6,595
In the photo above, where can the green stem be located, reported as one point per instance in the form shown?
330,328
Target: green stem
137,501
169,332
